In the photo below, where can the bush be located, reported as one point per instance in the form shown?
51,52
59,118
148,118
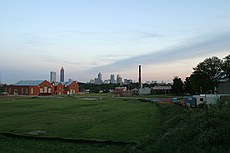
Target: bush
205,130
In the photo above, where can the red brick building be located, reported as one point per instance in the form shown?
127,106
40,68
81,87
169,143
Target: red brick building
59,88
70,87
120,91
35,88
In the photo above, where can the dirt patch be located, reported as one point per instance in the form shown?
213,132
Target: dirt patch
36,133
92,98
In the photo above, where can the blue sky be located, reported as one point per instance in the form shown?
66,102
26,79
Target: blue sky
168,38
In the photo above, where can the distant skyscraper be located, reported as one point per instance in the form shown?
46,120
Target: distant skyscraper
119,79
112,79
62,75
52,76
99,80
100,76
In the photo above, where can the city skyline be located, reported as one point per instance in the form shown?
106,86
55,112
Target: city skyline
168,38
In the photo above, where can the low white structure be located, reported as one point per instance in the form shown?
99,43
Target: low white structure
208,98
145,91
161,89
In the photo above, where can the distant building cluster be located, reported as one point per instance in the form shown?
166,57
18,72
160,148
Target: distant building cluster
43,87
112,80
53,76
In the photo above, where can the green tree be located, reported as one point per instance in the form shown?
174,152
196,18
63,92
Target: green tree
200,82
206,75
177,87
188,86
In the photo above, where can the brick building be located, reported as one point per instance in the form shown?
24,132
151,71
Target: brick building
41,87
70,87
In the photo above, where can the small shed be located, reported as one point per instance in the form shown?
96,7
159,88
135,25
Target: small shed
190,101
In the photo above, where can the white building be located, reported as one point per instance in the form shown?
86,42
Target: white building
106,81
92,81
208,98
127,81
145,91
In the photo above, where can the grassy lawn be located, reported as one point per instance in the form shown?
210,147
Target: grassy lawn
105,118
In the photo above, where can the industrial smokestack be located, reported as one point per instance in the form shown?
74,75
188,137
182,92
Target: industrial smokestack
140,83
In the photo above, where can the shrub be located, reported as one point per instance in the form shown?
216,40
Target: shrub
204,130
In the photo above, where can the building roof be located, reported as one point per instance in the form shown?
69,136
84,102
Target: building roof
161,87
64,83
38,82
56,83
29,83
68,83
120,88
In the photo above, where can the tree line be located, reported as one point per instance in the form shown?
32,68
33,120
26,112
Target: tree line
205,77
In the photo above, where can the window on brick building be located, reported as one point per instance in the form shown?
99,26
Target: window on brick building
45,89
41,90
49,90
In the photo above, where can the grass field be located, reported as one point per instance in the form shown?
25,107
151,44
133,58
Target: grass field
93,118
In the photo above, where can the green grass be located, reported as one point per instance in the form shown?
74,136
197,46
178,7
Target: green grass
105,118
153,127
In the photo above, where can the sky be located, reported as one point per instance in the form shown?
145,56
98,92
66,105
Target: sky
168,38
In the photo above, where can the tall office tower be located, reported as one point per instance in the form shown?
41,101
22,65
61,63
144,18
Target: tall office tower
100,81
99,76
112,79
62,75
119,79
52,76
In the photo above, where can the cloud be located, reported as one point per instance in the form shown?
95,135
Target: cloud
60,61
150,35
190,48
36,39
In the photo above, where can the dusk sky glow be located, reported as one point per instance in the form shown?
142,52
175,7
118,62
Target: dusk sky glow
168,38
